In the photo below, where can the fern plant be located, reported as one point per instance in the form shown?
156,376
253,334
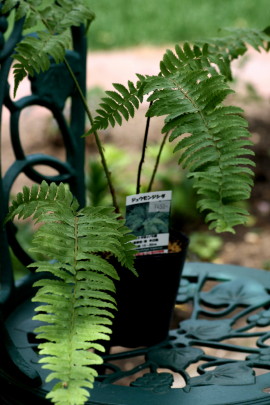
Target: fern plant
77,295
189,91
212,142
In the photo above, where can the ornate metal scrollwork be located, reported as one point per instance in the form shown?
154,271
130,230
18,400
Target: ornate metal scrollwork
219,356
51,90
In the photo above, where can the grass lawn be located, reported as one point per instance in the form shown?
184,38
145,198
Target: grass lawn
124,23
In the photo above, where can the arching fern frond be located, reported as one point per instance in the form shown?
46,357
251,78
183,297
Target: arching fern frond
218,51
33,54
223,50
214,147
76,300
235,43
208,59
191,56
212,139
34,201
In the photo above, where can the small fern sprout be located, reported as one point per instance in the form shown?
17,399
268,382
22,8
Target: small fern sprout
76,300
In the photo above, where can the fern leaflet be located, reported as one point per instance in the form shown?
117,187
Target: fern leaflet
77,298
118,105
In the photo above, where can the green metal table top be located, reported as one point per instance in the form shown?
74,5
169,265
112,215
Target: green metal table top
218,351
219,354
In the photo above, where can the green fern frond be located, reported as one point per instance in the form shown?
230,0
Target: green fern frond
192,103
76,300
217,51
187,55
119,104
235,43
34,201
50,14
53,22
34,54
212,138
223,50
8,5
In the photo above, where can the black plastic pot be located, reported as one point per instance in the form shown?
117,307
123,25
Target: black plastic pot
145,303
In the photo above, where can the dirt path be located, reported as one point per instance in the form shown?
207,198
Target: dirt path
105,68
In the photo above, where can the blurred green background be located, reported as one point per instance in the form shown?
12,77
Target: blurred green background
124,23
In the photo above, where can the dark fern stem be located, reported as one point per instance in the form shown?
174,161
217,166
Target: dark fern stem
145,140
157,162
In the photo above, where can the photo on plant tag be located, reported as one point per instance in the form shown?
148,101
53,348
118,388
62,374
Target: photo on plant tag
148,217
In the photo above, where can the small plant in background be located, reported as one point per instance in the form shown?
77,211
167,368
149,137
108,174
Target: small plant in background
204,246
266,265
96,183
211,142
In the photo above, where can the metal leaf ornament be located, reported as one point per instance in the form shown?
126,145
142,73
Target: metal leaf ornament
175,359
157,382
229,374
236,292
203,329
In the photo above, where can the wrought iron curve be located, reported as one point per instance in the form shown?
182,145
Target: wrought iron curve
53,90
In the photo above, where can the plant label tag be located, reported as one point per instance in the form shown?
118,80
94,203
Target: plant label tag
147,216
